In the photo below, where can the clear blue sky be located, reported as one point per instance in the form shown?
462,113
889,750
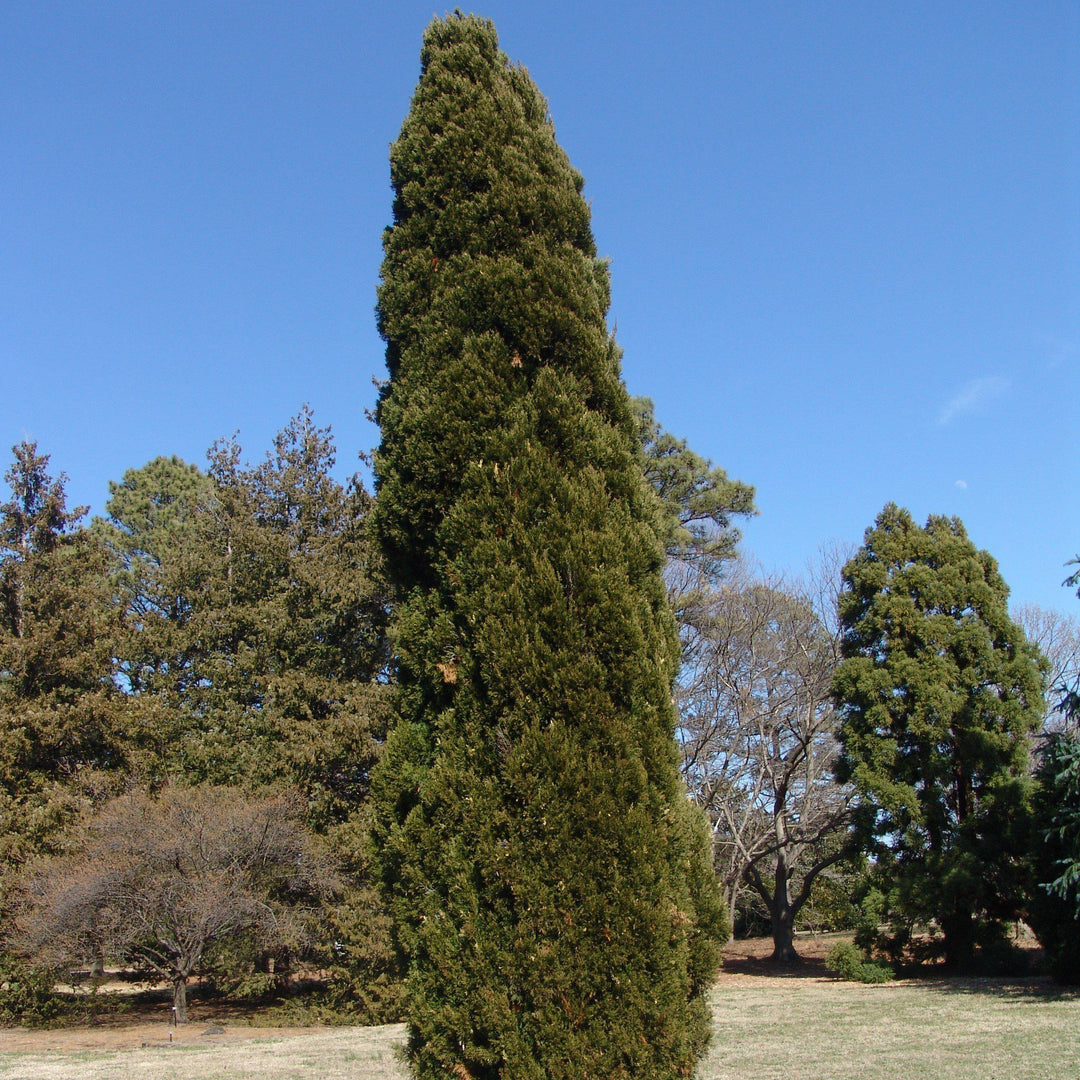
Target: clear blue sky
845,239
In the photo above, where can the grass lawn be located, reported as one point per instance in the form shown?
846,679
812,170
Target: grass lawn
964,1029
767,1027
239,1054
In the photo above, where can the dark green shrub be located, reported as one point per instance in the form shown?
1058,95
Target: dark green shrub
849,962
26,995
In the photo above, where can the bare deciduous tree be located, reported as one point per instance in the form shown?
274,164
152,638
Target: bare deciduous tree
1058,638
156,882
758,734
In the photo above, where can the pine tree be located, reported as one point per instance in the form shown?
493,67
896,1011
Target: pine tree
255,636
552,885
939,692
59,718
698,500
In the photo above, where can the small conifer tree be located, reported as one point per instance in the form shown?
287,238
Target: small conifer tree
552,886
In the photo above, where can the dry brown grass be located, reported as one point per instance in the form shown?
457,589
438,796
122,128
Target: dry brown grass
144,1052
798,1024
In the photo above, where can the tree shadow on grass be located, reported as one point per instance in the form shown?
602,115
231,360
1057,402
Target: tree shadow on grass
1030,988
809,967
751,957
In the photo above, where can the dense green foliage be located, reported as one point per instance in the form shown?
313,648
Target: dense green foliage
1054,903
61,730
848,961
253,644
939,692
550,881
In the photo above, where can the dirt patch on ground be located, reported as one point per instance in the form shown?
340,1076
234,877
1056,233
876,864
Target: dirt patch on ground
143,1029
747,961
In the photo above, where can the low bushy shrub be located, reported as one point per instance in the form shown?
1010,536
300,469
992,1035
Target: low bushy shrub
26,995
848,961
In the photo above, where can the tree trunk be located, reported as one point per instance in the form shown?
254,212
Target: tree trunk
959,930
783,935
783,916
179,999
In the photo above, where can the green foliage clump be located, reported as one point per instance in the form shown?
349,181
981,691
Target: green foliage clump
939,692
551,885
849,962
26,994
1054,898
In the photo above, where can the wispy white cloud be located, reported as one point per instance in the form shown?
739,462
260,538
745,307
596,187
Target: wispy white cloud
1058,351
973,396
961,484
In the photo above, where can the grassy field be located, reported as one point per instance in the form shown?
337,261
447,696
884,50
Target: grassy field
955,1030
766,1028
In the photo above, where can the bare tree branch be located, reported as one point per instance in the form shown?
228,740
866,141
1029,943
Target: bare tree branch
758,734
159,881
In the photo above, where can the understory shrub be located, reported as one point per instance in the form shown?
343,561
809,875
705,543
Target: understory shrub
848,961
26,996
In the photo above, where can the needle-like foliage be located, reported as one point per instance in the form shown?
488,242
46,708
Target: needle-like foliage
551,882
939,693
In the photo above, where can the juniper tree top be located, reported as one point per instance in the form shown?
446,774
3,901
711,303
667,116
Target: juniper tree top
552,886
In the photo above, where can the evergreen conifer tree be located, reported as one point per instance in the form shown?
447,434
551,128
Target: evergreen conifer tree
939,693
60,720
1053,907
552,885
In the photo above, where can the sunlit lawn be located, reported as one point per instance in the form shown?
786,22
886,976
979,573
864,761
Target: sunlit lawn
782,1028
957,1030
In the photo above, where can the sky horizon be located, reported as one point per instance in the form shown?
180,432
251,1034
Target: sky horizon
844,241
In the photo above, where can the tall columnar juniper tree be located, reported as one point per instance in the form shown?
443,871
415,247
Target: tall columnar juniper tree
551,883
939,693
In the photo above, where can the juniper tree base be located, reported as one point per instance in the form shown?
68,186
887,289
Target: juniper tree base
552,886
